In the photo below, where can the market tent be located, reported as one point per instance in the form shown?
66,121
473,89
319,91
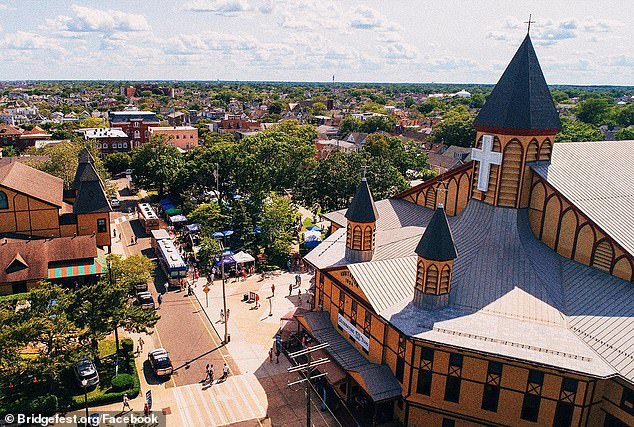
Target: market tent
243,257
173,211
193,228
166,201
178,219
227,260
312,238
218,234
313,228
168,206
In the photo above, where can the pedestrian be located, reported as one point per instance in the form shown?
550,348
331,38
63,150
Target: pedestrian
141,342
227,317
222,315
146,409
225,372
273,289
290,289
136,240
257,300
299,296
131,240
114,232
212,277
160,299
244,274
288,264
298,280
210,374
138,349
277,356
126,403
271,355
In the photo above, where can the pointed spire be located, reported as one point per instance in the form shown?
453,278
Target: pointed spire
437,242
362,208
521,98
85,156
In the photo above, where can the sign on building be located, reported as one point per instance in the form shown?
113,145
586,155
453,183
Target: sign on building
356,334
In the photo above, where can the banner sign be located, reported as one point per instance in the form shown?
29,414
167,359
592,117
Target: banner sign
356,334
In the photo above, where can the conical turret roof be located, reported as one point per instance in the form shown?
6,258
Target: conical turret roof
437,242
521,98
362,208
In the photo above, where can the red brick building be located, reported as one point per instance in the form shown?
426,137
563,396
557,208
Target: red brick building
135,124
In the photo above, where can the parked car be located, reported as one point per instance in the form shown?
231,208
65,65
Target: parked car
160,362
145,300
115,203
85,370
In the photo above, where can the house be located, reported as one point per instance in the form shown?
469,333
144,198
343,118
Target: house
10,135
183,137
499,293
325,147
30,137
357,138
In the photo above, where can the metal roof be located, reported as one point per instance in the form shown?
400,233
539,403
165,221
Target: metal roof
521,98
362,208
598,178
437,242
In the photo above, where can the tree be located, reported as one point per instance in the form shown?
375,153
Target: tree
277,223
92,122
378,123
477,100
156,164
432,104
209,249
456,128
405,158
384,179
594,111
208,215
625,115
117,162
242,225
9,151
576,131
349,124
625,134
275,108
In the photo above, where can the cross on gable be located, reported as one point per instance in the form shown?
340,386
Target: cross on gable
486,156
529,22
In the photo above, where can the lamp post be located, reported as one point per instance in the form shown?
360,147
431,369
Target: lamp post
84,384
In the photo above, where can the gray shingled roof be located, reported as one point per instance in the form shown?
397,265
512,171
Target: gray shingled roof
521,98
362,208
598,177
437,243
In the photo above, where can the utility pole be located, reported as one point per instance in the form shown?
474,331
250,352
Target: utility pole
307,369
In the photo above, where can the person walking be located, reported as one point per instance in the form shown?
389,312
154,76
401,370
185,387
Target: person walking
225,372
227,315
298,280
273,289
290,289
160,299
126,403
210,374
141,342
257,301
131,240
299,295
271,355
222,315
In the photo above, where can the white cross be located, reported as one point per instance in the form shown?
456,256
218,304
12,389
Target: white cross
486,156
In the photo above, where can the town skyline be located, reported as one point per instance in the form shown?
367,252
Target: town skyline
259,40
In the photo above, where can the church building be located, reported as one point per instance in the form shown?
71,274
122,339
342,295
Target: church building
46,232
500,293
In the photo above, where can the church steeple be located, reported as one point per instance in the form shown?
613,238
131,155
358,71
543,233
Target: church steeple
519,122
361,230
436,251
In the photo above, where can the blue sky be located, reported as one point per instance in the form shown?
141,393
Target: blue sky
578,42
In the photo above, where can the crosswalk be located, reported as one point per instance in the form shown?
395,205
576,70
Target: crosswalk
240,398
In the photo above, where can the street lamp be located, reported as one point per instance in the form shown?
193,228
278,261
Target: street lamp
224,296
84,384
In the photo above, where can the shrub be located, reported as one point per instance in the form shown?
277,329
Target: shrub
122,382
43,405
127,345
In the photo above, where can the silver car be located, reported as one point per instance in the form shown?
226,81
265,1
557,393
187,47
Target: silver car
145,300
85,370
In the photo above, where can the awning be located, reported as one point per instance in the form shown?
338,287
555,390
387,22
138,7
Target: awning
377,380
178,218
193,228
74,269
173,211
243,257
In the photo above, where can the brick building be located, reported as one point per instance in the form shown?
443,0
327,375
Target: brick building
135,124
183,137
108,140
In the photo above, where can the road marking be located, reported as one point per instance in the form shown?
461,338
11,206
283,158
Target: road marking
194,403
220,411
207,408
252,393
180,400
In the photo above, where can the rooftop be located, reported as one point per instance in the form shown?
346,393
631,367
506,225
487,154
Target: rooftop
27,180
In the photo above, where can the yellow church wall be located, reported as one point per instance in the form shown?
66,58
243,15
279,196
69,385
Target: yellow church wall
27,215
611,402
452,189
87,225
564,228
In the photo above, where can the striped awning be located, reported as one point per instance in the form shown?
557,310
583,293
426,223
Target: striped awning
75,269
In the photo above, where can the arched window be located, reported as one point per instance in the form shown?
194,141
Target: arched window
420,275
356,238
367,238
445,275
431,281
137,134
4,202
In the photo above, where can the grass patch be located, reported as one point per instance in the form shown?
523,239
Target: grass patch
107,348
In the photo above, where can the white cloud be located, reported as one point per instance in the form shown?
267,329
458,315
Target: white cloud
23,40
622,61
366,18
219,7
90,20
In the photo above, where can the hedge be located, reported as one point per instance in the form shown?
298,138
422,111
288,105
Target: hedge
122,382
15,297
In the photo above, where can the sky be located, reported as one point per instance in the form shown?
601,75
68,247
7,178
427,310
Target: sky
579,42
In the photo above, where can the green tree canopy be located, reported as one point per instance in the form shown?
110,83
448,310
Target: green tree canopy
156,164
117,162
625,115
277,223
625,134
456,128
595,111
576,131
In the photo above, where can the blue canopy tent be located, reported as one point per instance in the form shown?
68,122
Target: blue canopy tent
313,228
226,260
168,207
166,201
312,239
218,235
